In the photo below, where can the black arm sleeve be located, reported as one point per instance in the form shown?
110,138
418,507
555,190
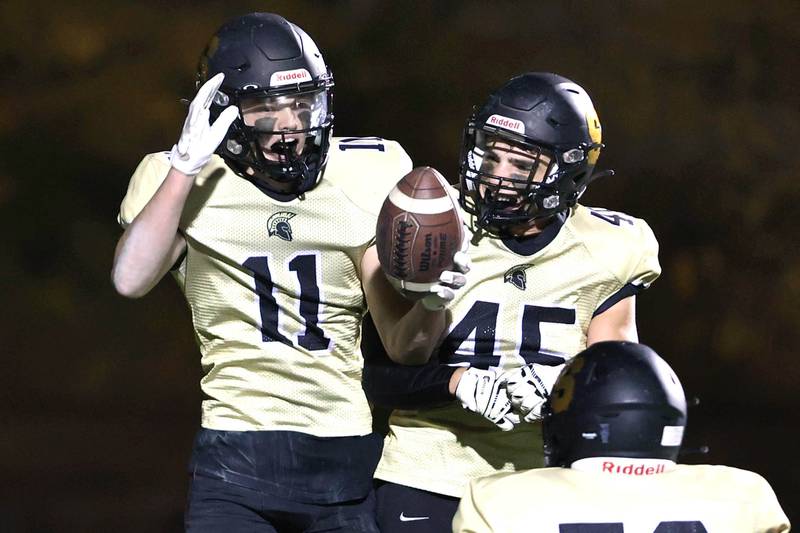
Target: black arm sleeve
388,384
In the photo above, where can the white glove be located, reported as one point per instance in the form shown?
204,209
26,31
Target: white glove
199,139
443,292
483,392
527,391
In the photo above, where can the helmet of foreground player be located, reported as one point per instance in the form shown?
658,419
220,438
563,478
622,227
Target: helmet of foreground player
276,76
529,152
614,399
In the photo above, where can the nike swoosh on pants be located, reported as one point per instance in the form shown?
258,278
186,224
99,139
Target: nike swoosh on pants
404,518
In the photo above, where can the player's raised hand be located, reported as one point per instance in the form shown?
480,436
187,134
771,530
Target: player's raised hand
527,392
199,139
483,392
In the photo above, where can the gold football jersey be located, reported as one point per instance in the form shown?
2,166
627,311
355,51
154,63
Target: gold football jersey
274,288
691,498
517,309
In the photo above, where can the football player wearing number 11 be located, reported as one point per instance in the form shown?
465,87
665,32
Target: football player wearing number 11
263,218
548,277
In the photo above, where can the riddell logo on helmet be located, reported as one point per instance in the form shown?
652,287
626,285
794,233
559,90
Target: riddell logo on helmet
506,123
633,469
288,77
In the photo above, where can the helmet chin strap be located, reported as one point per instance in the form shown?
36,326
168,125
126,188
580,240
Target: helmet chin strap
285,150
598,175
483,219
488,207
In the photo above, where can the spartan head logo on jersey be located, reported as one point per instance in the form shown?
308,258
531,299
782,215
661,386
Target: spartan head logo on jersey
278,225
516,276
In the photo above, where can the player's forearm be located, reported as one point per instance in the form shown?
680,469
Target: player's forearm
408,387
151,243
407,330
395,386
414,336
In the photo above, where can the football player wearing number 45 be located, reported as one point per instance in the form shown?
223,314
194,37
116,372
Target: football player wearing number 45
263,218
548,277
613,427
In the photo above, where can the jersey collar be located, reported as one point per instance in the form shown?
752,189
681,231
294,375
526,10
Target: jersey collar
281,197
535,243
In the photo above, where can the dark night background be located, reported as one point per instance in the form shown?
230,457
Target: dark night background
699,105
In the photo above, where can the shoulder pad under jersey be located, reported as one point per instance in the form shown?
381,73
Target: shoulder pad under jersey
623,244
146,180
366,168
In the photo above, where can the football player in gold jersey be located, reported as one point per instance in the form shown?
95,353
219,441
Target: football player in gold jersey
548,277
263,218
613,427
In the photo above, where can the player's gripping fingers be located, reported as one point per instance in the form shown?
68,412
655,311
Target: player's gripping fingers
482,392
534,416
527,392
498,409
529,405
462,260
513,417
439,297
452,279
525,376
505,424
443,292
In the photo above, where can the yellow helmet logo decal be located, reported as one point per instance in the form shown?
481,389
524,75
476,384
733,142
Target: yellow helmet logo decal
561,396
593,123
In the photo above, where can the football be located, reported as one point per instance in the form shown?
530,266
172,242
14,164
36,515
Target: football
419,230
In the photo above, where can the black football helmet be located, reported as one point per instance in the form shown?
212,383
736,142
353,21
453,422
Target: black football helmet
272,67
614,399
547,127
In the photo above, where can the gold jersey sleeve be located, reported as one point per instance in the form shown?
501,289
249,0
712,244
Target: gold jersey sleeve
144,183
517,309
274,291
559,500
610,235
146,179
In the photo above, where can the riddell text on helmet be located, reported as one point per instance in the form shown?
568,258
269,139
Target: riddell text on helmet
506,123
632,470
290,76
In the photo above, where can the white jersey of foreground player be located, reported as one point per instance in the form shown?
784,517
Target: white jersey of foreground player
617,495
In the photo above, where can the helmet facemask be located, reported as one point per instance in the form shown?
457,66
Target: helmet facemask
509,180
281,138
